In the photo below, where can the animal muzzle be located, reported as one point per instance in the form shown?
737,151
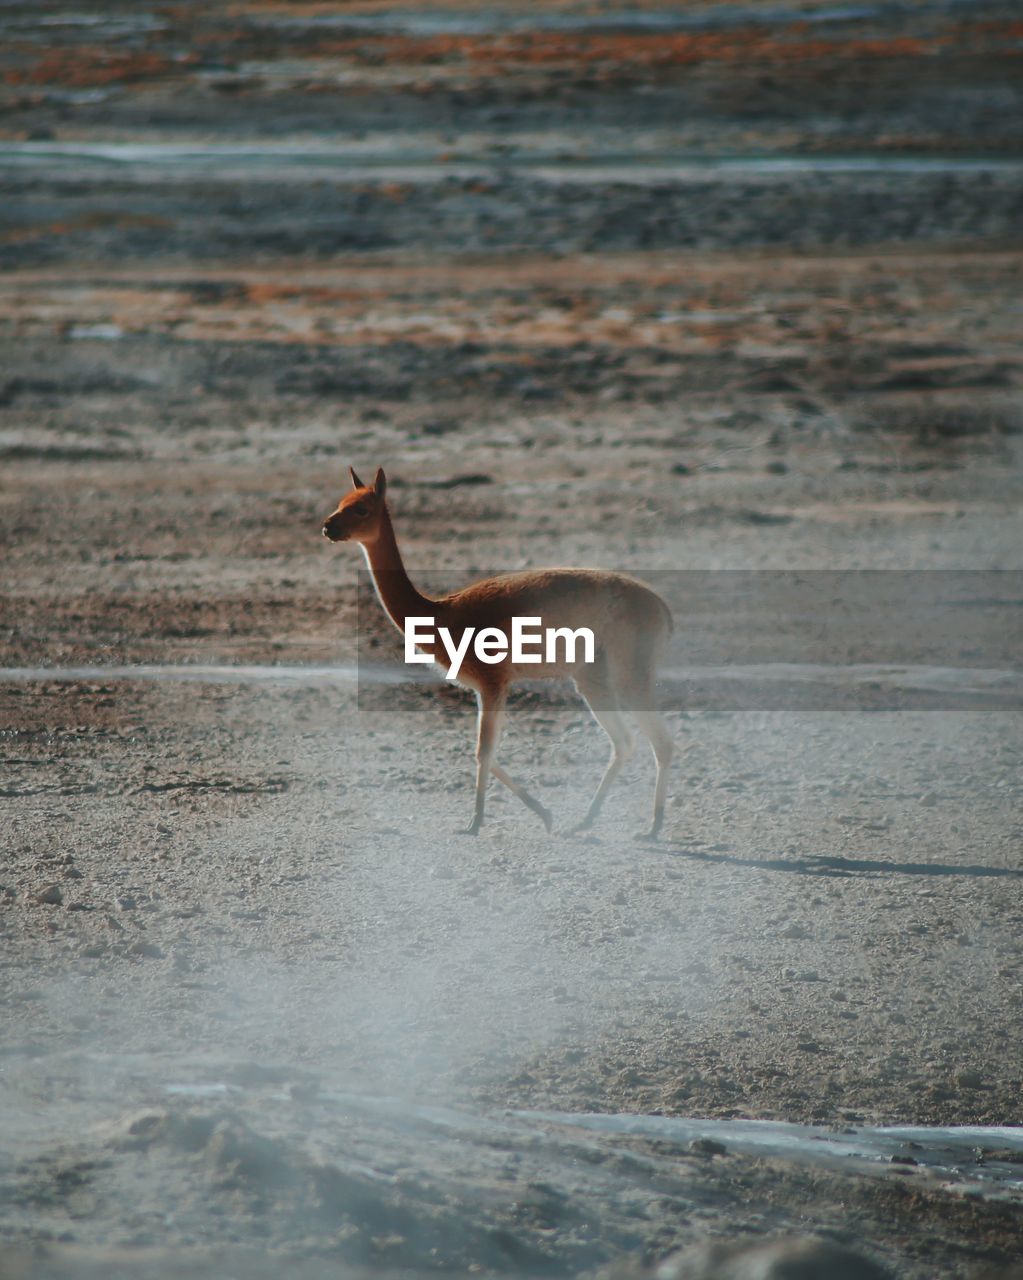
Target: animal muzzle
331,531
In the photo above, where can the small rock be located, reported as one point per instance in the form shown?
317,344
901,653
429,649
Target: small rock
763,517
51,896
796,931
785,1259
145,949
238,1157
304,1090
126,902
707,1147
970,1080
1004,1155
137,1130
471,479
142,1129
777,468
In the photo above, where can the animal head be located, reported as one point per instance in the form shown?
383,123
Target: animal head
359,513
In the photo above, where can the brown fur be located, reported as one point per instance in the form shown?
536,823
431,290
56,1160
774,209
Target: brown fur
631,626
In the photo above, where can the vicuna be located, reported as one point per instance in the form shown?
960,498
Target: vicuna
631,626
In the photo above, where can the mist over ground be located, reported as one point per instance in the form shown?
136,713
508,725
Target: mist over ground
677,290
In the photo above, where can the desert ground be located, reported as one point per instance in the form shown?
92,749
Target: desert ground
725,297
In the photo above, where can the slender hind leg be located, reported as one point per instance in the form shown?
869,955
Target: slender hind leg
529,801
491,718
656,732
600,698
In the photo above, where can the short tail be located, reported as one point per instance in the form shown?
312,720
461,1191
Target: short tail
669,621
651,645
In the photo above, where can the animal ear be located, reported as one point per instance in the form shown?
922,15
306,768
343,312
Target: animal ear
380,483
356,482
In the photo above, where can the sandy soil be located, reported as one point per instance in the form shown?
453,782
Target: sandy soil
262,1008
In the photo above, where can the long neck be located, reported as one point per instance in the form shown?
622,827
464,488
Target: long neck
394,587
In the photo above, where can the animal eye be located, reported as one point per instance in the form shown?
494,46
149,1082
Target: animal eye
359,509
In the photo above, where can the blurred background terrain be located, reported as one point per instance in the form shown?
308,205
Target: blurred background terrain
654,287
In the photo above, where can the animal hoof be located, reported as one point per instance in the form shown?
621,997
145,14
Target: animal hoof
473,829
547,818
647,836
580,828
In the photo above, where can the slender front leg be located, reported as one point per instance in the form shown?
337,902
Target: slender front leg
516,788
491,717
